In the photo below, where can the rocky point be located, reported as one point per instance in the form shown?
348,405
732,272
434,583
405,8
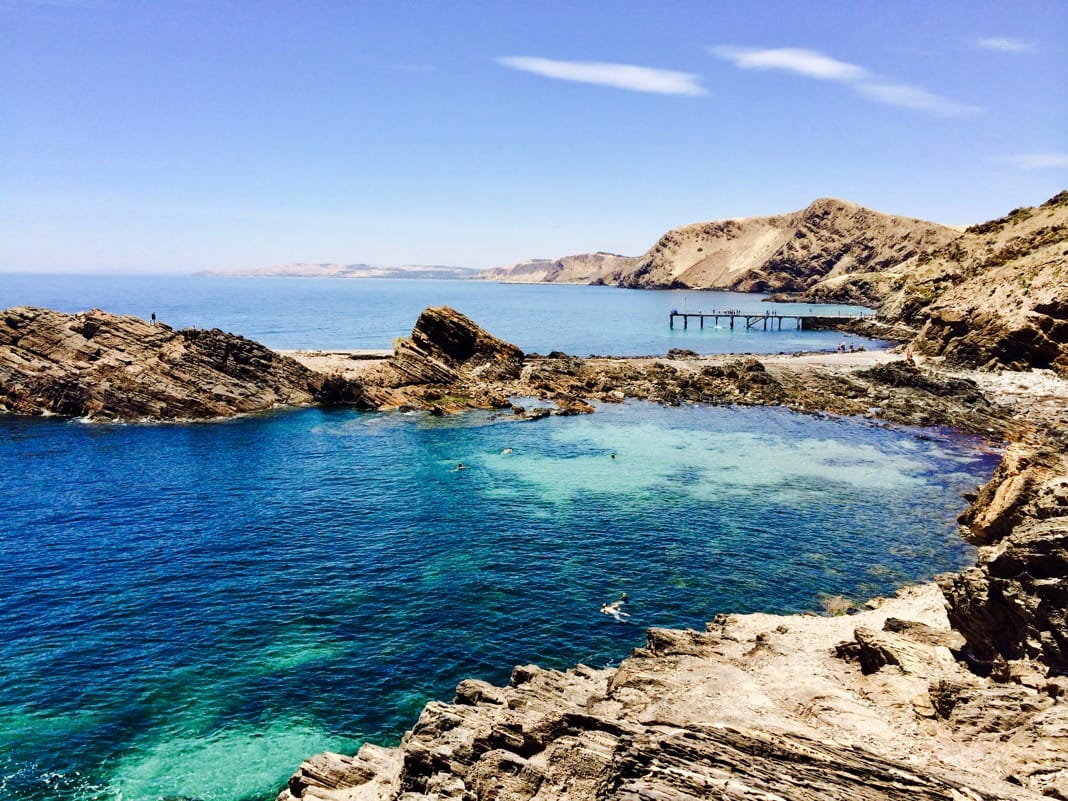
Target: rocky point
104,366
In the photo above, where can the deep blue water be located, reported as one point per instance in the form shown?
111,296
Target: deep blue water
295,313
188,611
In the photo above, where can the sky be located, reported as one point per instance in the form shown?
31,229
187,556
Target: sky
185,135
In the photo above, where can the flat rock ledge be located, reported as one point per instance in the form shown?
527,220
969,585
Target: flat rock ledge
868,706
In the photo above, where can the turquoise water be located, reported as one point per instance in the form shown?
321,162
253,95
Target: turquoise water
187,612
295,313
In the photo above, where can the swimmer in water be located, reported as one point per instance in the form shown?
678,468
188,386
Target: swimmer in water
613,609
506,451
461,466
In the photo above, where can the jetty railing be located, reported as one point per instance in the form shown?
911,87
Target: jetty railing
766,321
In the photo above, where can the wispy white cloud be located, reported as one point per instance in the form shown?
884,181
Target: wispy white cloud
914,97
810,63
620,76
814,64
1004,44
1038,161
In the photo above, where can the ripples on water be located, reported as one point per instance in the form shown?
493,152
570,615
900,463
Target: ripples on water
189,611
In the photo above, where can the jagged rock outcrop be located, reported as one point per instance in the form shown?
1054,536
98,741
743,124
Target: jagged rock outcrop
104,366
1013,605
1002,293
448,363
870,706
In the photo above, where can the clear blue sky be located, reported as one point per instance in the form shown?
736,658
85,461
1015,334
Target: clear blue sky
186,135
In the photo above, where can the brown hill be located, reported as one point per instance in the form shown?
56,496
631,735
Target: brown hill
994,294
784,253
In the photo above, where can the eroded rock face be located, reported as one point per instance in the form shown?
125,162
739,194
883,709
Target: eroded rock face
1013,605
1003,298
104,366
447,364
757,706
831,240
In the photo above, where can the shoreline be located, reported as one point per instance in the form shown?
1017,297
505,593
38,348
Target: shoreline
802,707
911,696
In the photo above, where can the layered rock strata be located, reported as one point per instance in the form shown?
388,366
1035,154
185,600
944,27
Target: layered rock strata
103,366
1005,293
870,706
448,363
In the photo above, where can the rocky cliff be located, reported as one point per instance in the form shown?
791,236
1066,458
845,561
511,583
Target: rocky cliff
1012,607
998,295
104,366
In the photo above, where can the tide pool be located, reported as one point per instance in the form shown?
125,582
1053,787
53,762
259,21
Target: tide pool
189,611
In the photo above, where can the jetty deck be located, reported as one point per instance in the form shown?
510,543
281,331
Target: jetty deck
765,321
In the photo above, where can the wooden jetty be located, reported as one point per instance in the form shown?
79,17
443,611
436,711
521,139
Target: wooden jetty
766,321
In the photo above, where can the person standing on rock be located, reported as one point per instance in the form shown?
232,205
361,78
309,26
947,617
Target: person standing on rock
153,318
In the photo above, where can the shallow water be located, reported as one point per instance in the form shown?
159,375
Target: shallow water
189,611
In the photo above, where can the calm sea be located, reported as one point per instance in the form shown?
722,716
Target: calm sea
188,611
294,313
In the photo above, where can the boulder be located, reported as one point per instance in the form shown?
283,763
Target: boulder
449,363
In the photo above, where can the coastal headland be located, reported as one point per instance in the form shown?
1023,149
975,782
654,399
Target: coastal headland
953,690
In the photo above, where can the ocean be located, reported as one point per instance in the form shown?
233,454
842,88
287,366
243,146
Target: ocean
189,611
306,313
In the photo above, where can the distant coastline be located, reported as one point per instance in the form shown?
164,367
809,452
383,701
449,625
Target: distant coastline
331,270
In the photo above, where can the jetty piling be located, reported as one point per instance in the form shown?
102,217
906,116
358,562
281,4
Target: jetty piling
765,321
